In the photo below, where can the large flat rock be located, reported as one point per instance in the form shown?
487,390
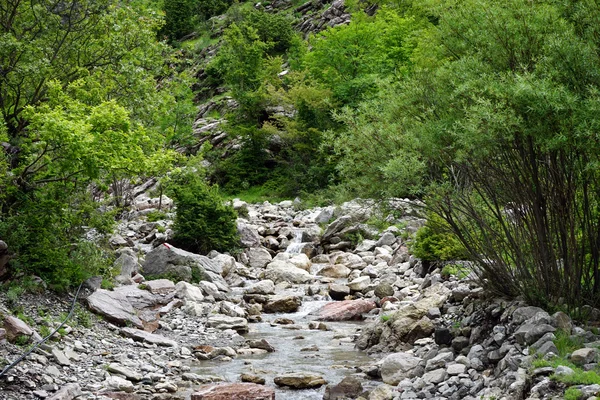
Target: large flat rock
143,336
346,310
234,391
114,306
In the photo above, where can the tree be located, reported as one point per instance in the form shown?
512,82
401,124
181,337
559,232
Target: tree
81,98
506,126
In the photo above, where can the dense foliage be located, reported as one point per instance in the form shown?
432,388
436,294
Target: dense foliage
203,221
84,90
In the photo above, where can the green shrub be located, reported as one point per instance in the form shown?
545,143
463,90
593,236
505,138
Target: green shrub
156,215
203,221
435,242
573,394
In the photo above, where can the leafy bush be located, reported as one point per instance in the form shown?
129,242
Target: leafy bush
573,394
436,242
203,221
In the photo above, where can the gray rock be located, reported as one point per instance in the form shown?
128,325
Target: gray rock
128,373
258,257
265,287
398,366
15,327
529,333
127,264
300,380
188,292
282,304
171,261
160,286
359,284
338,292
387,239
60,357
436,376
114,306
583,356
384,290
285,271
456,369
117,384
349,388
223,322
248,236
67,392
143,336
522,314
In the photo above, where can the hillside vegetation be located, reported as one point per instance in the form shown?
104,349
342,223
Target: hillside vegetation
488,111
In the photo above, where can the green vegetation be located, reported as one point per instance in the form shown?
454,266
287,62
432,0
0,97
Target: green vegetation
203,221
436,242
573,394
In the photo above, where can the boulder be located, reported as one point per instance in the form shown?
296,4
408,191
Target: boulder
188,292
345,310
348,388
234,391
397,366
114,307
127,265
15,327
118,384
263,287
160,286
167,260
300,380
258,257
338,292
248,236
584,356
359,284
282,304
223,322
284,271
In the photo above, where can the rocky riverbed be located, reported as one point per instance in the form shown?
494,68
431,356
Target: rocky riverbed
320,304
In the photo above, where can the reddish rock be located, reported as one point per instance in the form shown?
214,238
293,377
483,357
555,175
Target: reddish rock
234,391
345,310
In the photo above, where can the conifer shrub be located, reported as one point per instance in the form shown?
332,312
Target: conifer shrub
203,222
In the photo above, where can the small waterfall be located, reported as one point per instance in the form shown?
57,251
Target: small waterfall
296,245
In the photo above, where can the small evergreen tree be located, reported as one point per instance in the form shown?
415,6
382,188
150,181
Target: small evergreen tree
203,221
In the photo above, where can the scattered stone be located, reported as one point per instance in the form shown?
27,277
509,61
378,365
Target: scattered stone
300,380
143,336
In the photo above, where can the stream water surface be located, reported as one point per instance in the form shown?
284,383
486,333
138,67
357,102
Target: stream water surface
335,358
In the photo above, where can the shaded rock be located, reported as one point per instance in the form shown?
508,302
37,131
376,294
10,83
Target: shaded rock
234,391
114,307
529,333
397,366
248,236
522,314
348,388
384,290
127,264
345,310
443,336
282,304
583,356
143,336
300,380
338,292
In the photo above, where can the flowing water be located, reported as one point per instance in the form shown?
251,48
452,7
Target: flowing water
296,245
335,358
